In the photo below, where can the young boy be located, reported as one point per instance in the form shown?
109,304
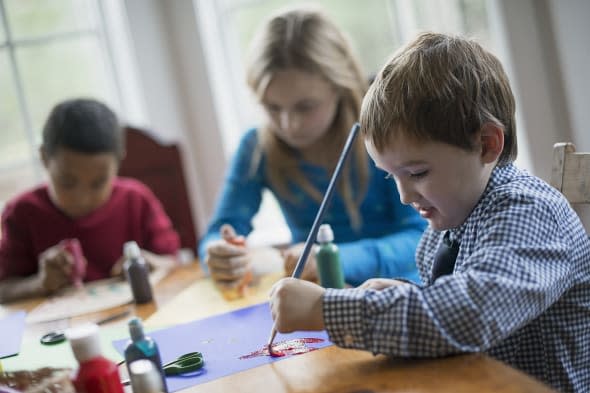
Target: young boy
439,119
84,200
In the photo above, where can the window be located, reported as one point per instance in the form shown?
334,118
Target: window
375,27
50,50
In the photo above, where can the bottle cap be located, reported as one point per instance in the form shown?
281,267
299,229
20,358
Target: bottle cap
325,234
131,250
144,377
85,341
135,329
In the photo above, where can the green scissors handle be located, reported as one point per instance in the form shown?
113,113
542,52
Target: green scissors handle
187,363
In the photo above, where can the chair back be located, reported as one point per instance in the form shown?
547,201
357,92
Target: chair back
159,166
570,173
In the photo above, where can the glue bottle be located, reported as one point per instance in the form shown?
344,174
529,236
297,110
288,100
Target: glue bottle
143,347
144,377
137,273
96,373
328,259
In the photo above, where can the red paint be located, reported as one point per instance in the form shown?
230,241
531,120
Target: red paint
73,247
98,375
296,346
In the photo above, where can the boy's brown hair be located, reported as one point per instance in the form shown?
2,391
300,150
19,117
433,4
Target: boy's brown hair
440,88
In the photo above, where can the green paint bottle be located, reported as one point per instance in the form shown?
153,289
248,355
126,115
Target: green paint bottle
328,259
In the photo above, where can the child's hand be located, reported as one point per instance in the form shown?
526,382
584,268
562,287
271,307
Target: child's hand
55,269
117,269
291,256
156,261
380,283
228,258
297,305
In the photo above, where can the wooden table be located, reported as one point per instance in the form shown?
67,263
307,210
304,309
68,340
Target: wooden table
164,291
335,369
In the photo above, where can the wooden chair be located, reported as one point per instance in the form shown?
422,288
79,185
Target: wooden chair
159,166
570,173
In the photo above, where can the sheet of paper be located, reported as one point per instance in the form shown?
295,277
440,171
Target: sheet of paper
33,355
202,300
12,327
94,296
222,339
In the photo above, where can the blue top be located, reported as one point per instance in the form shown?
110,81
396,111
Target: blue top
383,246
519,290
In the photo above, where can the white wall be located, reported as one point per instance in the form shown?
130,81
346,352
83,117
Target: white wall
544,45
572,38
177,93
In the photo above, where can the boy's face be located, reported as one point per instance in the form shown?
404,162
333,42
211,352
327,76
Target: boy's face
442,182
79,183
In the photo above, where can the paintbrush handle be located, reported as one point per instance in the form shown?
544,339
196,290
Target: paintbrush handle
325,202
271,338
320,214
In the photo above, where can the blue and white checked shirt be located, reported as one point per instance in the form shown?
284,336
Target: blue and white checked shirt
520,291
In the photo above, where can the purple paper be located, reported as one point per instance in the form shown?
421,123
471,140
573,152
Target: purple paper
222,339
11,327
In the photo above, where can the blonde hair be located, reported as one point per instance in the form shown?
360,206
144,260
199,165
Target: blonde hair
440,88
306,40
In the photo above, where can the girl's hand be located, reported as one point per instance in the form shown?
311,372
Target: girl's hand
291,256
380,283
297,305
229,260
55,269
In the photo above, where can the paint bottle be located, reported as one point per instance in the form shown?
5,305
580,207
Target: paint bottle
143,347
144,377
96,373
328,259
137,273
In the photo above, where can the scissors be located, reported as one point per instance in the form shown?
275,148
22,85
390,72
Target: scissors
184,364
58,336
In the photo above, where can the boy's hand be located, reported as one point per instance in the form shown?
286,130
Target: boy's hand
228,259
297,305
55,269
291,256
156,261
380,283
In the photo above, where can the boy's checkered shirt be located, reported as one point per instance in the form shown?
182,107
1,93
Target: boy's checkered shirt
520,291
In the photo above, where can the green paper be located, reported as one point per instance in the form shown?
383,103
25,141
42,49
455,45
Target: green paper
34,355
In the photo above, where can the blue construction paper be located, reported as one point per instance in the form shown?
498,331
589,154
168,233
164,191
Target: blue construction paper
222,339
12,327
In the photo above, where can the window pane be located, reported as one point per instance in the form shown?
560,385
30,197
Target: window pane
2,33
367,24
13,142
33,18
475,20
16,180
58,70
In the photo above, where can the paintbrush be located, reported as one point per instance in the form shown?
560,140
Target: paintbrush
319,217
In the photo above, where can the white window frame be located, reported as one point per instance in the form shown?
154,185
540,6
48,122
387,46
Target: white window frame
124,88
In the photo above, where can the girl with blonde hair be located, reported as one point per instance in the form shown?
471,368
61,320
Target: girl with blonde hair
310,85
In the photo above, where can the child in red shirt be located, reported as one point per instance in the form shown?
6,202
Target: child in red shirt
84,200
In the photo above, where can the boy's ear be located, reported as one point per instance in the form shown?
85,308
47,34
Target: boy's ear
492,142
44,156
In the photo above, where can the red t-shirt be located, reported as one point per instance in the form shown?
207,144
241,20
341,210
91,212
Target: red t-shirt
31,223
